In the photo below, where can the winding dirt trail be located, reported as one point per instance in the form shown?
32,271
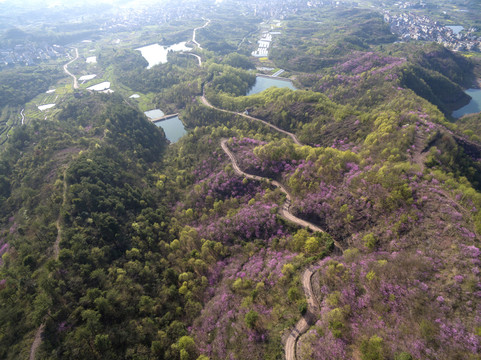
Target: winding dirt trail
308,318
195,31
56,251
56,246
285,210
291,135
65,68
36,342
199,59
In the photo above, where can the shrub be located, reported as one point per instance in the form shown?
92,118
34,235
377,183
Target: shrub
336,322
313,245
302,306
370,241
372,349
404,356
293,294
251,319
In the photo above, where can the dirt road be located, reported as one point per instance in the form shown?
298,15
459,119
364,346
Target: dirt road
65,68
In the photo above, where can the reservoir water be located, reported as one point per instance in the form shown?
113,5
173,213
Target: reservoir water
474,105
157,54
174,128
263,83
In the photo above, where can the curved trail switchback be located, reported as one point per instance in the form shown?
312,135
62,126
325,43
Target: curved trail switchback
195,31
285,208
312,305
199,59
65,68
291,135
308,319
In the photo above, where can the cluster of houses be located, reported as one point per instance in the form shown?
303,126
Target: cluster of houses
264,44
132,19
411,26
30,54
283,9
263,47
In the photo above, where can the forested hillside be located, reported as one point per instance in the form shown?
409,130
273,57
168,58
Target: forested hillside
340,220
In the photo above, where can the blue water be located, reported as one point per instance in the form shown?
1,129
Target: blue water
474,105
263,83
174,128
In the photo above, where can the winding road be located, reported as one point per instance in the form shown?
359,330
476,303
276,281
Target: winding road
195,31
65,68
36,342
291,135
199,59
312,305
307,320
56,246
287,204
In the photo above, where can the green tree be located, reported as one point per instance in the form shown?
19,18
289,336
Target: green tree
251,319
372,348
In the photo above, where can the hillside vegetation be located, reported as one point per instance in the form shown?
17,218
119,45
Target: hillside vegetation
122,247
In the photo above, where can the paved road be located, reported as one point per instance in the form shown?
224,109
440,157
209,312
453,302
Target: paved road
65,68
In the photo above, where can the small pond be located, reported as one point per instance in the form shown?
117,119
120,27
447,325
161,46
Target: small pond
173,128
474,105
157,54
262,83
